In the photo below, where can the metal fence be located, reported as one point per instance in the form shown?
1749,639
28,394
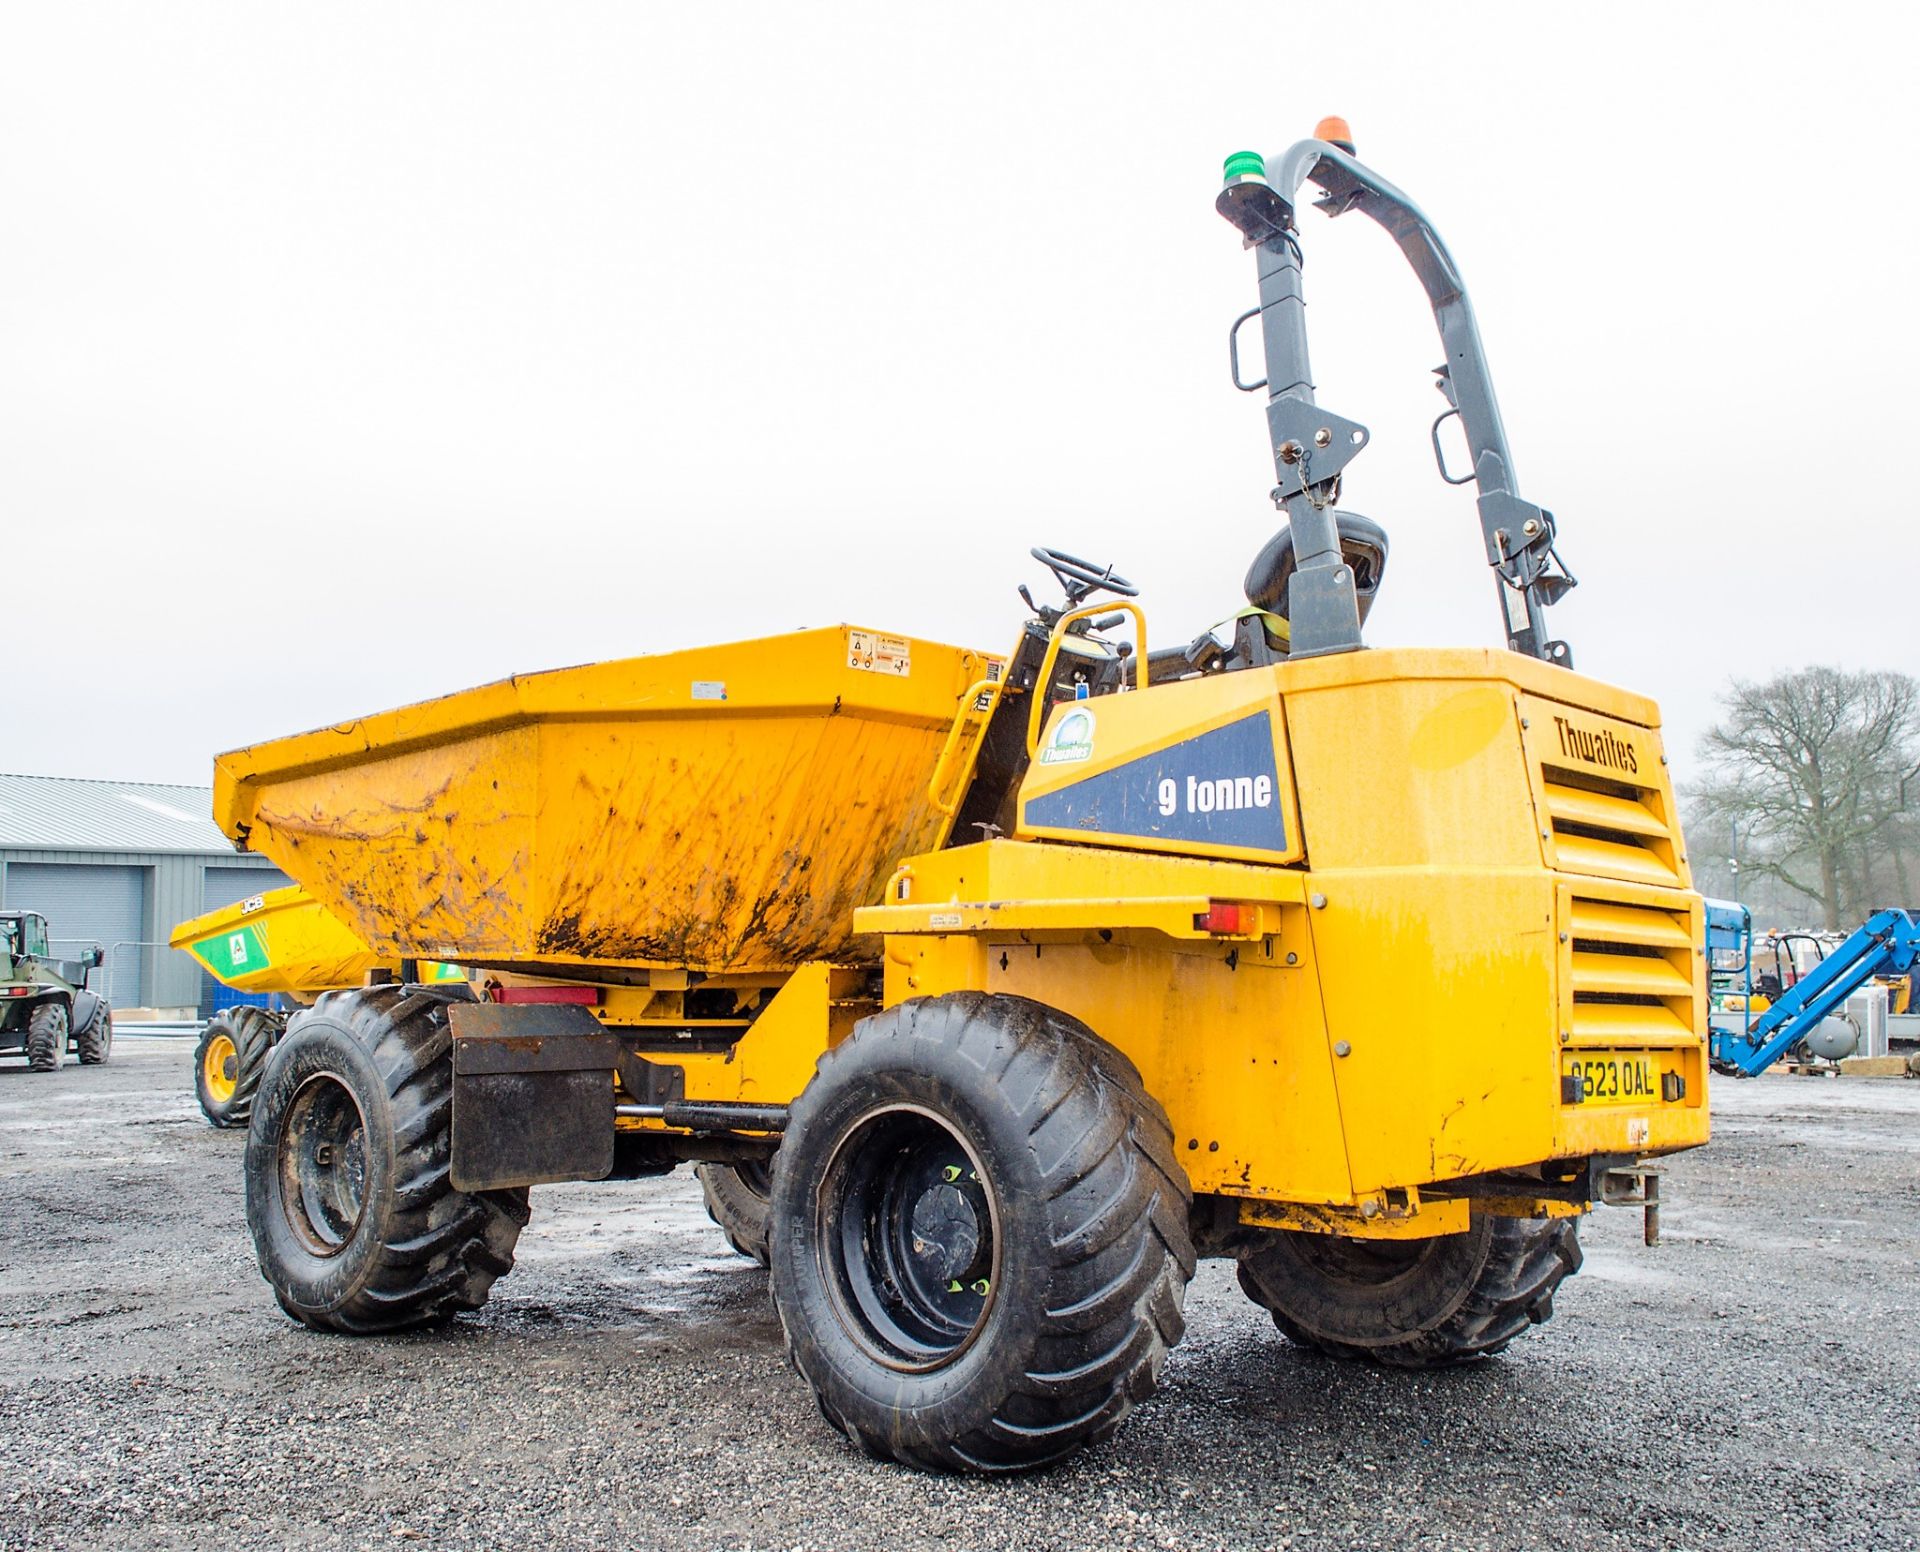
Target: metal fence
131,966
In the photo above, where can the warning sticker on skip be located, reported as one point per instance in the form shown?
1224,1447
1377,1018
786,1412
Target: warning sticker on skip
879,654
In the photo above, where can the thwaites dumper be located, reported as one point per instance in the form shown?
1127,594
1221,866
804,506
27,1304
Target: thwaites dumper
1007,985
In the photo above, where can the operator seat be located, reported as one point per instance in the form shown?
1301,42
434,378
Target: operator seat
1363,543
1261,633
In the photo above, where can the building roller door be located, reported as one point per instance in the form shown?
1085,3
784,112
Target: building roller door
222,886
88,903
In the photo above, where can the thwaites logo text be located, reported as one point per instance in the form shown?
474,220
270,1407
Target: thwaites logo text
1601,748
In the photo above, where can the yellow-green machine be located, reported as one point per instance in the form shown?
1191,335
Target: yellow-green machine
1007,984
282,942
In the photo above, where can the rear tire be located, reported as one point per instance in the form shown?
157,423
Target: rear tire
353,1215
739,1199
1414,1304
46,1036
980,1243
230,1061
94,1039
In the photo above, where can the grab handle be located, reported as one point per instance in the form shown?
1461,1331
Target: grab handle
1039,711
970,708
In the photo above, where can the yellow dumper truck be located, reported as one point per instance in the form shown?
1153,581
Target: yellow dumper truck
1009,983
283,942
286,943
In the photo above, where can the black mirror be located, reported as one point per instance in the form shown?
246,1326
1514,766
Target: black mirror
96,956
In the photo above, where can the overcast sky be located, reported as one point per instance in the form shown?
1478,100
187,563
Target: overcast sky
354,354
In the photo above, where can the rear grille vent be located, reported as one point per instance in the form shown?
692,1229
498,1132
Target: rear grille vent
1632,974
1612,829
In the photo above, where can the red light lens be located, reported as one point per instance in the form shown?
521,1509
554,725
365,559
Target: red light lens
579,996
1221,916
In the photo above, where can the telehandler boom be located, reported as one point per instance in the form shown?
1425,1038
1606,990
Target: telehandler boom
1011,984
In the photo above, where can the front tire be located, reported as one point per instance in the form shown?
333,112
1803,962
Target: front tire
354,1218
979,1237
1413,1304
47,1029
230,1061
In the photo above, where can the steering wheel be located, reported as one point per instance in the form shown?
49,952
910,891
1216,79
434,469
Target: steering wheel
1079,578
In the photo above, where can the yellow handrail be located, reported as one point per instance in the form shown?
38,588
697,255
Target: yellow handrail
970,708
1085,611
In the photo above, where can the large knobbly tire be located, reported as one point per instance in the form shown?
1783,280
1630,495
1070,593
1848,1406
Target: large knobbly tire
46,1036
1416,1304
979,1237
230,1061
354,1217
738,1200
94,1039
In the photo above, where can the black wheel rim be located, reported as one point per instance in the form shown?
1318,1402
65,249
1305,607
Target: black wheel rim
323,1164
908,1234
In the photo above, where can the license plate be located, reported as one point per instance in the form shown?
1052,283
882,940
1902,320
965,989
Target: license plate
1614,1077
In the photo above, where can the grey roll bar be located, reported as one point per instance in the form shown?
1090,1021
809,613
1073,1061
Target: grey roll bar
1311,446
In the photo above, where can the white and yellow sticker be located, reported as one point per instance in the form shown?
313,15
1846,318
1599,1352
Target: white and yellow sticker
879,654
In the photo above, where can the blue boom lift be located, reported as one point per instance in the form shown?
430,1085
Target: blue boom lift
1888,943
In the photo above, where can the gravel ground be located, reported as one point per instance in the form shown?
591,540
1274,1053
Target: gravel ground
1753,1381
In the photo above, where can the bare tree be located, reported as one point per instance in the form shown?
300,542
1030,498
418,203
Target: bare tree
1817,770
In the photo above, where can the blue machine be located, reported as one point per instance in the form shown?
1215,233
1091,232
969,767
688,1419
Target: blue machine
1730,931
1887,944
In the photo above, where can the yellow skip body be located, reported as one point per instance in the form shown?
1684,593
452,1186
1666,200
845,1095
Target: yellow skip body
281,941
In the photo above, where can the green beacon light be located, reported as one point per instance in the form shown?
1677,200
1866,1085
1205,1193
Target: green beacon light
1246,167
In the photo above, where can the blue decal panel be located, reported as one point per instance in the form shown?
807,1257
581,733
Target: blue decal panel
1215,789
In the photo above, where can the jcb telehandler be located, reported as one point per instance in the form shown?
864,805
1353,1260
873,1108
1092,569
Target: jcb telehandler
1018,982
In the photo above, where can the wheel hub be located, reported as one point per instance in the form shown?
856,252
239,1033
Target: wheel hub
946,1232
323,1164
222,1069
907,1232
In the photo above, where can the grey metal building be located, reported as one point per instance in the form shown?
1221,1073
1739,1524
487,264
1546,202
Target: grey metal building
119,863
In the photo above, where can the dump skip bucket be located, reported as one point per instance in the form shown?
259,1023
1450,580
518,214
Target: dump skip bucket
726,808
281,941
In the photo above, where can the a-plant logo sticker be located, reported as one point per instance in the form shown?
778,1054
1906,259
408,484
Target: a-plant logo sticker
1071,739
235,953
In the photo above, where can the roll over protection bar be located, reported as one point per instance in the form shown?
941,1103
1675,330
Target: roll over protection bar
1311,446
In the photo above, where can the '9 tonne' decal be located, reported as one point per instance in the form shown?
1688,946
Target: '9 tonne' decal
1218,788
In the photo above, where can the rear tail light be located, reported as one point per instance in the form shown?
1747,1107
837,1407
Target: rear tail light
580,996
1226,916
